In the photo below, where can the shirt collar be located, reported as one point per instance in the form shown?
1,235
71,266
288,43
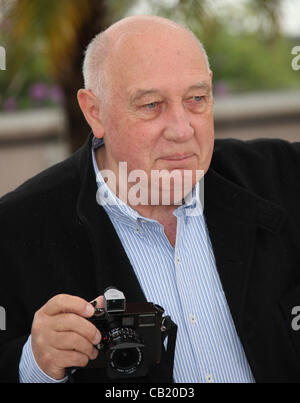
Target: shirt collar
113,205
97,143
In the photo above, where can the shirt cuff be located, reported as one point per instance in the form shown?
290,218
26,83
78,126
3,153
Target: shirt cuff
30,372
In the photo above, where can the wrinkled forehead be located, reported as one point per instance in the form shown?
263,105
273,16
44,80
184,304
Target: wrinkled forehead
153,53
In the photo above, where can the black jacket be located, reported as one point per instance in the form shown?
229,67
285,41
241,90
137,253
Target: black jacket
55,238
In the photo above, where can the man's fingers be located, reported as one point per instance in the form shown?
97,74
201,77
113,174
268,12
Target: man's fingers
70,341
61,335
66,359
68,322
68,304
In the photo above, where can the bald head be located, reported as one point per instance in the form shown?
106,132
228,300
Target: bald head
157,100
120,43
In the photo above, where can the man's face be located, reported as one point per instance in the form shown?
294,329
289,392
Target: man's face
159,114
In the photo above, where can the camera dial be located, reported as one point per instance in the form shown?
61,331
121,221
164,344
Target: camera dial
126,351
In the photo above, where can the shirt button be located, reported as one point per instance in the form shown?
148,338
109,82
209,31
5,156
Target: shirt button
192,318
177,260
139,231
209,378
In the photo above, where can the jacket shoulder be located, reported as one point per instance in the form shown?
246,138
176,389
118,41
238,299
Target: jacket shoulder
40,199
261,147
269,168
237,158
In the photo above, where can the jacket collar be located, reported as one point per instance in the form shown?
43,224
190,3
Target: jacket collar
112,266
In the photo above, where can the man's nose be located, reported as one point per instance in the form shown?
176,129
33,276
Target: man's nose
178,125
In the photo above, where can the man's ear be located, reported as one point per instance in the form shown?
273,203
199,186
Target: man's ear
211,79
90,106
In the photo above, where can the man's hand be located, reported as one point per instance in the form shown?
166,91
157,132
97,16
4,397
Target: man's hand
62,337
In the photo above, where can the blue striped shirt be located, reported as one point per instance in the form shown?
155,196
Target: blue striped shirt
185,282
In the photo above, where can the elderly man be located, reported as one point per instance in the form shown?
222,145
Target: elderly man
228,276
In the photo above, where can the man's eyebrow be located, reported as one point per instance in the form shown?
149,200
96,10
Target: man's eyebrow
200,86
137,95
141,93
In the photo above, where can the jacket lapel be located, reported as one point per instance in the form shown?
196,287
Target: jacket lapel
233,215
112,266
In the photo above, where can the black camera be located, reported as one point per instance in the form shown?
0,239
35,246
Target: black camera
131,336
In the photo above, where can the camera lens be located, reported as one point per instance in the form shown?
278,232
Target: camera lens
125,352
126,359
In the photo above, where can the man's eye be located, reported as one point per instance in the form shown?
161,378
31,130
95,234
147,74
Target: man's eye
198,98
197,103
152,105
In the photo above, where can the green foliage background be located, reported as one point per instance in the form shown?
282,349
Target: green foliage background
246,62
241,60
245,45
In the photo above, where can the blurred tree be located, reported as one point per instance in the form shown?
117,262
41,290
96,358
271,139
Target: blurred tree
267,14
243,42
60,30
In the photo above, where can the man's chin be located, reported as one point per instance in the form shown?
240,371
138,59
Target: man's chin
169,196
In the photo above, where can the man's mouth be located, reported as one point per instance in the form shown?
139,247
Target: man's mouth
178,157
